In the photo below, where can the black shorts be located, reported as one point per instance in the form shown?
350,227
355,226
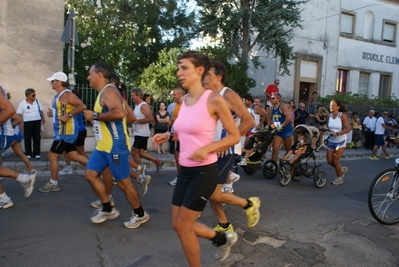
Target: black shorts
80,141
224,165
157,131
194,186
60,146
140,142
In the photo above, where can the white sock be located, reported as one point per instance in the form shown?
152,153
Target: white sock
23,178
109,197
140,179
4,195
54,182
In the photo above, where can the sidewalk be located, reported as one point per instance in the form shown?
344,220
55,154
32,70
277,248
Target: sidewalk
15,163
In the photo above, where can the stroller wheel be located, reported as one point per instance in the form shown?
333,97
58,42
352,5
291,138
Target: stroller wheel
269,169
284,178
320,179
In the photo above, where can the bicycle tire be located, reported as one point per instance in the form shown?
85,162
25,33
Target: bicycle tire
383,197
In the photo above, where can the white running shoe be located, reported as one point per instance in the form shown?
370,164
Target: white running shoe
144,184
234,177
28,186
135,221
228,188
173,182
6,203
101,216
224,250
243,162
66,170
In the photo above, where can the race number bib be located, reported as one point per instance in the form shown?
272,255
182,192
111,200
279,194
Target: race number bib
97,130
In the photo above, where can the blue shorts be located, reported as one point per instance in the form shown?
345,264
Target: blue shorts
5,142
335,146
224,165
18,137
118,163
285,134
379,140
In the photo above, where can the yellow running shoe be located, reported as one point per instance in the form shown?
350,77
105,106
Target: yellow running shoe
253,214
220,229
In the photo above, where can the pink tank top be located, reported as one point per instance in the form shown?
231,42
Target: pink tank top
195,129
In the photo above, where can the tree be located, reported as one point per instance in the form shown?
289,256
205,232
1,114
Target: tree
244,25
128,34
160,78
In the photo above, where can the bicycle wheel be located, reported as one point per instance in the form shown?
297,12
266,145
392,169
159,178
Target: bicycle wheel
269,169
383,196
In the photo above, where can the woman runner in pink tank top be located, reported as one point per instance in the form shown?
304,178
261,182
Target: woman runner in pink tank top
195,127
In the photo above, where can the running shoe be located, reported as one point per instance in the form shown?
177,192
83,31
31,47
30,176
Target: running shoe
159,165
220,229
135,221
28,186
6,203
337,181
101,216
66,170
234,177
174,181
344,170
228,188
253,213
374,158
97,204
388,156
50,187
142,170
144,184
224,250
243,162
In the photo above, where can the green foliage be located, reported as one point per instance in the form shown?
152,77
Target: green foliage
160,78
362,100
243,26
128,34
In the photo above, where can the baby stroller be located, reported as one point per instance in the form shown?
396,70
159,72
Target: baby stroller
306,165
255,159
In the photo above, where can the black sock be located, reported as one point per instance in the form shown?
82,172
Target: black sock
139,211
248,205
225,225
219,239
107,207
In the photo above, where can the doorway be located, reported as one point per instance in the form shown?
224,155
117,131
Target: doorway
304,93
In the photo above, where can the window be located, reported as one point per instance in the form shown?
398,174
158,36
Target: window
363,86
347,23
384,86
341,81
389,32
368,25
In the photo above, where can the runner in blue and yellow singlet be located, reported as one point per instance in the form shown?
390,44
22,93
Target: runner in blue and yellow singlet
65,107
112,149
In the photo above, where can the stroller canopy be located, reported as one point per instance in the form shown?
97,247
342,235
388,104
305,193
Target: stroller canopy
312,134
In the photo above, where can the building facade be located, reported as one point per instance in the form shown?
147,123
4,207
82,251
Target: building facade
344,46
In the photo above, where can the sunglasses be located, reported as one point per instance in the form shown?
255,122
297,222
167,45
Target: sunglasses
33,95
272,98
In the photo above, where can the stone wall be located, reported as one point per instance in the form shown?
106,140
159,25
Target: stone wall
30,48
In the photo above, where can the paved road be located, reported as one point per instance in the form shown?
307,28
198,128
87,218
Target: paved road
300,225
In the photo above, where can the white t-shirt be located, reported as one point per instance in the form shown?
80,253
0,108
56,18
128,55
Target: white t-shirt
30,112
379,129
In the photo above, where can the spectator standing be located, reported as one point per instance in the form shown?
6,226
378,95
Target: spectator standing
292,108
271,88
356,124
301,115
32,114
162,124
313,108
380,128
369,128
147,99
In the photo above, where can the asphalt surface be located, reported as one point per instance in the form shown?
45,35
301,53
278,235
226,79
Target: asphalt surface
300,225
